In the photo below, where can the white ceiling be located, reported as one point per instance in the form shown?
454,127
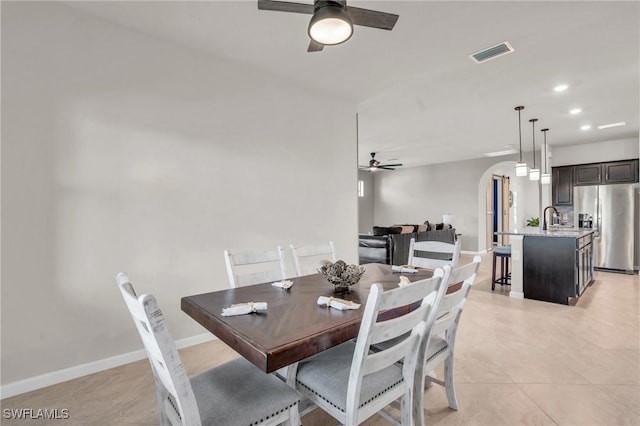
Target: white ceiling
421,100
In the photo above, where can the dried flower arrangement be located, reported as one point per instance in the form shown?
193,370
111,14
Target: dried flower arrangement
340,275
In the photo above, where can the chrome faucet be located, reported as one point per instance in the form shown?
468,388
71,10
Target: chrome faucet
544,216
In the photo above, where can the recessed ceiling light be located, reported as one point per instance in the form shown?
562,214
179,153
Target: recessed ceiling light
575,111
585,127
561,88
606,126
500,153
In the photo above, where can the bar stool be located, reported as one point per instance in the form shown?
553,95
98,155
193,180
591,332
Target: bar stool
504,253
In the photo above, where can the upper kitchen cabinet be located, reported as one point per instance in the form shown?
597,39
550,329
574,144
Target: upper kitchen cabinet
606,173
587,174
620,171
562,186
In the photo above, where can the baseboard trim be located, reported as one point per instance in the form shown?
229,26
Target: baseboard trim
516,295
59,376
473,253
195,340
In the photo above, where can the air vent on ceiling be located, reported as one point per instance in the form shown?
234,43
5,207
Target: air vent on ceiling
492,52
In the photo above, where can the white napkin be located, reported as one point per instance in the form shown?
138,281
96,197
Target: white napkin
336,303
244,308
283,284
404,269
404,282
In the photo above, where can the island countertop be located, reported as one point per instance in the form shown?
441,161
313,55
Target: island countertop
555,232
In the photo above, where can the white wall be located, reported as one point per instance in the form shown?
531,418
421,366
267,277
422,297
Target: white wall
623,149
366,204
120,152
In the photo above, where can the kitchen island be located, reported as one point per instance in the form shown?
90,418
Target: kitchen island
553,266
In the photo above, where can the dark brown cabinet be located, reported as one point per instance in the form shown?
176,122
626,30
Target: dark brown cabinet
620,171
606,173
562,186
587,174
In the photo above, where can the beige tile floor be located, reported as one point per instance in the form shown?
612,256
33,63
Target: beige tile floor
518,362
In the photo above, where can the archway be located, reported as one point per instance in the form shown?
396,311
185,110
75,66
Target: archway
525,202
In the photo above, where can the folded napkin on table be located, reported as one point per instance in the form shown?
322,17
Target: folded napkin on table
404,282
336,303
404,269
244,308
283,284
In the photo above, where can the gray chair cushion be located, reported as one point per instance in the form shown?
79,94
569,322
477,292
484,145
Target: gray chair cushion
328,376
237,393
436,346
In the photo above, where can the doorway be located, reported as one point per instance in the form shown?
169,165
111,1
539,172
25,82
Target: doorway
498,198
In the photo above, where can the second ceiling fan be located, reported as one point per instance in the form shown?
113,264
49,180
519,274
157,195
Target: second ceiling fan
376,165
332,21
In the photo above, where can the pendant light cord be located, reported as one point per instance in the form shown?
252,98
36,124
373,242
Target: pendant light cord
533,129
520,134
520,108
544,131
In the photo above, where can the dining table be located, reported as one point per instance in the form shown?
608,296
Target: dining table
294,326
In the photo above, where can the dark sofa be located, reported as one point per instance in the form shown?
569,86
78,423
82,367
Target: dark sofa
393,249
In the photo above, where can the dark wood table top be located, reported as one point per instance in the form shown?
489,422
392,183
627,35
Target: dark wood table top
294,326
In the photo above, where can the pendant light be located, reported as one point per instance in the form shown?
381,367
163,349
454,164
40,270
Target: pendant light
545,178
534,174
521,167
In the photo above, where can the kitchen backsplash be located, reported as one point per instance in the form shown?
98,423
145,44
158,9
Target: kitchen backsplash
566,212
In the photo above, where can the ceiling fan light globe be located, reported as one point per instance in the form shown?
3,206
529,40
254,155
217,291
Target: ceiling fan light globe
330,25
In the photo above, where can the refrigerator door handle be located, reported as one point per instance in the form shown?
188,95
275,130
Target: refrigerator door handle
599,214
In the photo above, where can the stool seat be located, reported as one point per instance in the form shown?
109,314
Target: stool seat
503,252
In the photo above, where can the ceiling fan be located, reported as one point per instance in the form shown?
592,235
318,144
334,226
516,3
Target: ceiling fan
375,165
332,21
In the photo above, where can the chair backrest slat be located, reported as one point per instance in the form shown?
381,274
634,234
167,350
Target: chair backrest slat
251,278
446,254
254,267
306,259
394,327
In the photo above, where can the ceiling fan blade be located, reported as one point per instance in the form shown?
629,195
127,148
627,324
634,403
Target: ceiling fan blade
371,18
285,6
390,165
314,46
386,168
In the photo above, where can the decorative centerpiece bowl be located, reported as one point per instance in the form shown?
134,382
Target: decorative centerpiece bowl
340,275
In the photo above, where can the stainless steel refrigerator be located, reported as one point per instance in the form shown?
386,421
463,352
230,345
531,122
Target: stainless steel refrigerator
611,211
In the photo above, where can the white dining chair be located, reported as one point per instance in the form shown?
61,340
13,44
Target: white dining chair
441,347
349,382
255,266
433,254
234,393
306,258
